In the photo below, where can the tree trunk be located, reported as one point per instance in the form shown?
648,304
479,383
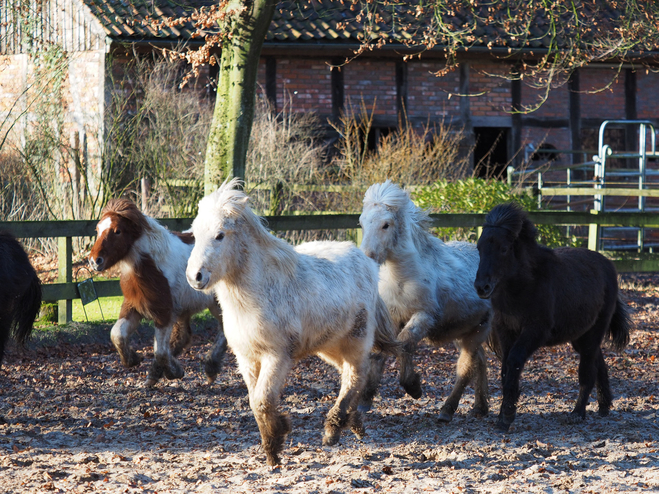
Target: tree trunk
228,139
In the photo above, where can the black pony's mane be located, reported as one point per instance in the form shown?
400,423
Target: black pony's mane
512,218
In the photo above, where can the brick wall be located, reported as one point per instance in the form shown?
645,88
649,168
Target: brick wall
647,100
602,93
430,96
556,104
303,85
495,100
371,81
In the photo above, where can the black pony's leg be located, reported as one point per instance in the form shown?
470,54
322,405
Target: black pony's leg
604,397
590,354
511,371
5,327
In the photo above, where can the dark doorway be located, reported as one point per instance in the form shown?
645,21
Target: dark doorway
491,151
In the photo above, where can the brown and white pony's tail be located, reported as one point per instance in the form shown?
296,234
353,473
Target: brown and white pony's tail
385,333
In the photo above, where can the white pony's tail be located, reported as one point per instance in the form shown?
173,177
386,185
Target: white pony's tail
385,333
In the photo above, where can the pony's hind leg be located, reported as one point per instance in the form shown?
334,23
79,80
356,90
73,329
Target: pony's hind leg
375,371
415,330
471,366
128,322
604,397
213,359
592,369
164,363
181,338
345,413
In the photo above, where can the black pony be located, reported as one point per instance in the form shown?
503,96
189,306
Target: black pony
544,297
20,292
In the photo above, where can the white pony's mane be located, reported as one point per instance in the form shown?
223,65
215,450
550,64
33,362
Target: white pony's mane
228,201
395,198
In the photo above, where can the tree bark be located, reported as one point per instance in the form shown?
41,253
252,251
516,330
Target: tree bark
228,138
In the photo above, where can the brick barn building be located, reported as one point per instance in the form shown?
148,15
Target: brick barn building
302,59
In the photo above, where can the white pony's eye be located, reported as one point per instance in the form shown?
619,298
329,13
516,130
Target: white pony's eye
385,226
219,236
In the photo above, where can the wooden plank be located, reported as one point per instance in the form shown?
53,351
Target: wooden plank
52,292
636,265
313,222
37,229
589,191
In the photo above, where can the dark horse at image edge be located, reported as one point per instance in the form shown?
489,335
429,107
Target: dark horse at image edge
543,297
20,293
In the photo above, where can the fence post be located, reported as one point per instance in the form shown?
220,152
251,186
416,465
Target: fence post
65,272
593,234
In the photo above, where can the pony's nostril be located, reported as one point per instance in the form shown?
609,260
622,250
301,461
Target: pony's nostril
198,277
98,261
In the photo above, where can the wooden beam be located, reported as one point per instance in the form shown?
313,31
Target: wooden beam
401,90
337,87
271,81
589,191
574,105
516,130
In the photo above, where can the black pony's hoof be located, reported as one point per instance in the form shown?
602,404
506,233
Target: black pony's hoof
502,426
575,418
414,388
478,413
445,417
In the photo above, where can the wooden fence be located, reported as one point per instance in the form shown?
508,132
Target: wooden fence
65,290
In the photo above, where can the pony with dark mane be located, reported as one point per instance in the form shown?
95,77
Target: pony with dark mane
544,297
152,261
20,293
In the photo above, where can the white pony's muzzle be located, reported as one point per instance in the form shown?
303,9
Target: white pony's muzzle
198,278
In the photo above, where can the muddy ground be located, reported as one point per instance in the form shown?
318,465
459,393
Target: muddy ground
75,420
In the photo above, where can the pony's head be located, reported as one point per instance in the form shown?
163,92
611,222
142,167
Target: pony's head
505,231
121,224
216,231
387,215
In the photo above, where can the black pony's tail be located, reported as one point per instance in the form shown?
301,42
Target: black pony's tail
25,311
619,327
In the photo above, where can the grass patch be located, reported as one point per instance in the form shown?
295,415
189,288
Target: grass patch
107,311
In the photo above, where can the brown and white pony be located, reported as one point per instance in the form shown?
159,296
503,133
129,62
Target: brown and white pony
152,261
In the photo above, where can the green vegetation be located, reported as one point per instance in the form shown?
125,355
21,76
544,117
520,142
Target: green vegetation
477,195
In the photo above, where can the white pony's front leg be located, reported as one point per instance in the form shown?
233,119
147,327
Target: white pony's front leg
415,330
120,334
264,393
164,362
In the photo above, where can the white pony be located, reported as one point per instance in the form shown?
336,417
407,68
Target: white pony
428,286
281,304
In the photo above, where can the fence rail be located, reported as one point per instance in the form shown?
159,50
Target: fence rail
65,290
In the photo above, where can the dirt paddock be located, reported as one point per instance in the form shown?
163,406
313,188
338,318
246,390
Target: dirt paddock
74,420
